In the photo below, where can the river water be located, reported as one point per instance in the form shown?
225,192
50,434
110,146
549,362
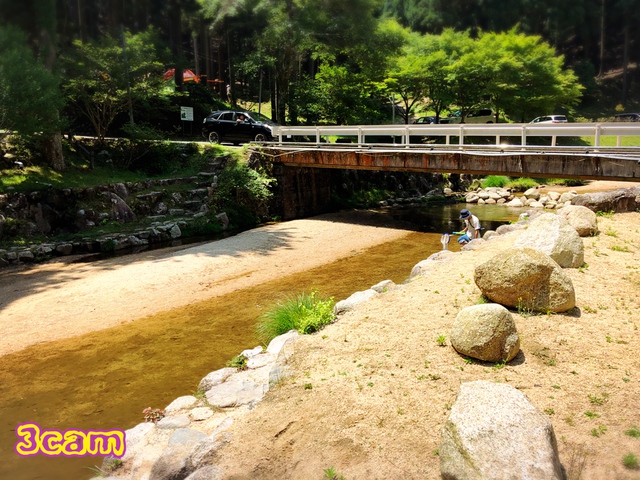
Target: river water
103,380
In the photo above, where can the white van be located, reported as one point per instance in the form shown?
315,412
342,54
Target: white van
481,115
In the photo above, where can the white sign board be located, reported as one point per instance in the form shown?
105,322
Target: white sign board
186,114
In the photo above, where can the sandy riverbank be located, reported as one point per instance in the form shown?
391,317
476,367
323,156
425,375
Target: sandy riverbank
61,299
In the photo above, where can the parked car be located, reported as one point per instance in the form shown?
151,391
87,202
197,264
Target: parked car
425,120
550,119
482,115
627,117
237,127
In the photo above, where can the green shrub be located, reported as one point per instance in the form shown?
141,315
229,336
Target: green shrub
494,181
521,184
630,461
306,313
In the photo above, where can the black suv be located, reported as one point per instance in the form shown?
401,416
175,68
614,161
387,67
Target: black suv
237,127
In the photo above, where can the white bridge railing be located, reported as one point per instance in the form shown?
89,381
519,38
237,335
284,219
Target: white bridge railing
524,131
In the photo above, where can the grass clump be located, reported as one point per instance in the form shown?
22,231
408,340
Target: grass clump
522,184
306,313
630,461
494,181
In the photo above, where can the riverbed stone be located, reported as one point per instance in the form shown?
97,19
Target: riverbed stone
486,332
383,286
581,218
261,360
181,421
494,432
186,435
354,300
424,267
199,414
526,278
180,403
252,352
215,378
553,235
235,392
280,343
210,472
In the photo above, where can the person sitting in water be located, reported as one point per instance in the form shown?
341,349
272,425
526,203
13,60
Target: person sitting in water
471,229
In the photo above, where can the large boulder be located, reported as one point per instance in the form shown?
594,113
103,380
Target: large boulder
581,218
495,433
554,236
486,332
526,278
621,200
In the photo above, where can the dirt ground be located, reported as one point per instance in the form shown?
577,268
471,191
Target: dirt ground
371,392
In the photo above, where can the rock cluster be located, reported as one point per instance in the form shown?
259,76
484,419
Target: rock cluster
533,198
184,443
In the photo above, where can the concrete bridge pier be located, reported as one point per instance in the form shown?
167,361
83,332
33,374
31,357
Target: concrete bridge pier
301,192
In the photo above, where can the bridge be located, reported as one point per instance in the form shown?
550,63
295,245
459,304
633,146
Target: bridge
606,151
486,149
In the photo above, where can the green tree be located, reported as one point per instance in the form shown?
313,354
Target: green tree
468,74
527,77
30,97
102,85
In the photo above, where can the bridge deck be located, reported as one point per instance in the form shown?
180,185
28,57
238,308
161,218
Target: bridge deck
611,163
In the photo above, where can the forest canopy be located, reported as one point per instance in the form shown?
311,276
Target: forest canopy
99,64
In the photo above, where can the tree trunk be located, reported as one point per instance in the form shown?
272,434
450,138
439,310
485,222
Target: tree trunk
53,152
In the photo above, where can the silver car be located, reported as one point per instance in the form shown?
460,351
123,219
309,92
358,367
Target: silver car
550,119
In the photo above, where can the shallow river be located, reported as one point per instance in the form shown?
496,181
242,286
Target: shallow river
103,380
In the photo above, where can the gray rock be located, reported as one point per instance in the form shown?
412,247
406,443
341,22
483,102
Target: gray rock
486,332
252,352
186,436
516,202
180,421
201,413
424,267
532,193
581,218
383,286
235,392
261,360
552,234
26,256
354,300
621,200
175,232
223,219
173,463
279,343
567,197
210,472
489,234
180,403
136,438
64,249
526,278
494,432
120,210
215,378
553,196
